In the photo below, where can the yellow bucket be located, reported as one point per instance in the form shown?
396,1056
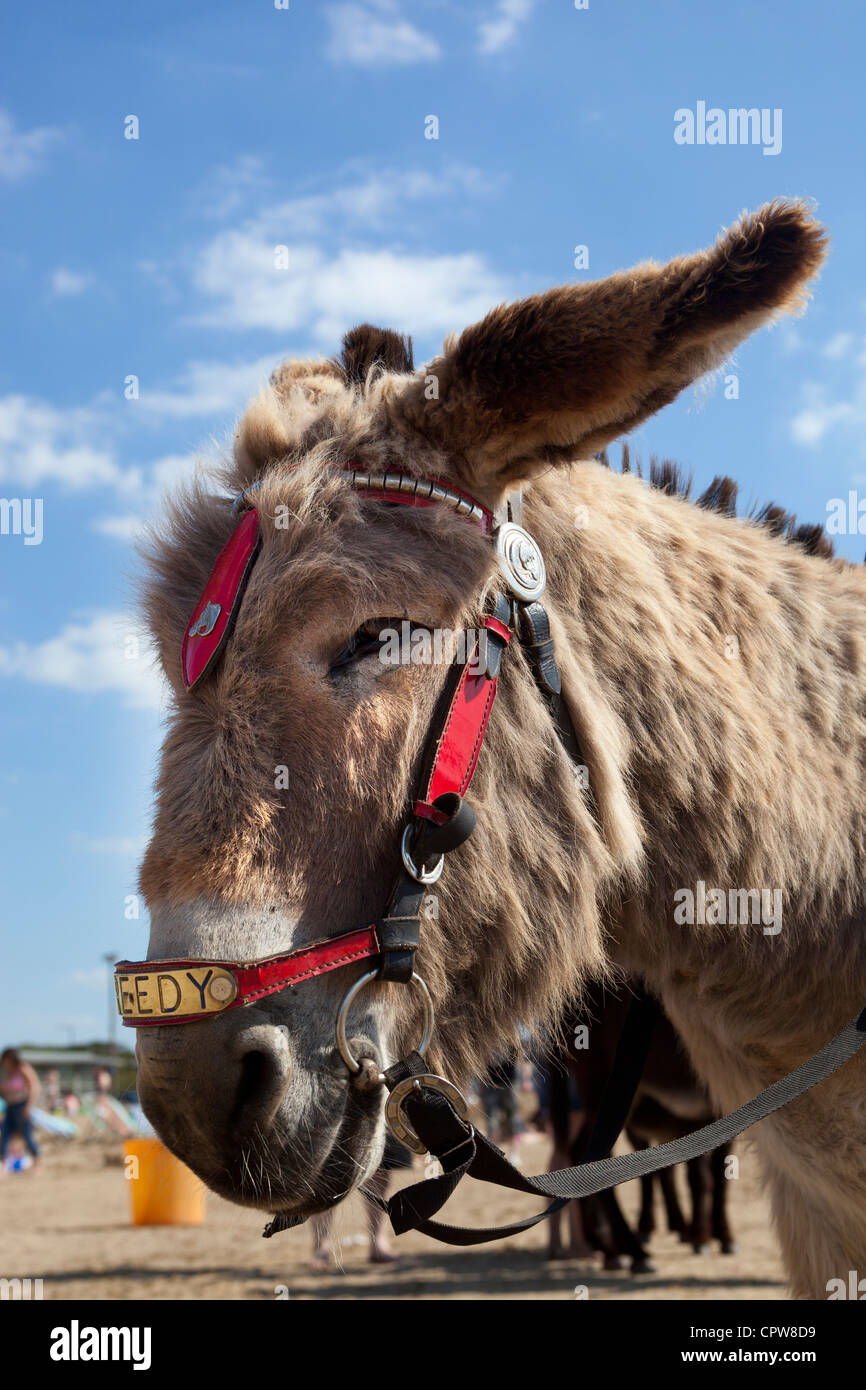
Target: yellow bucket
162,1190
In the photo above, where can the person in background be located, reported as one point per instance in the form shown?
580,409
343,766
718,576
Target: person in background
51,1091
499,1099
19,1087
396,1156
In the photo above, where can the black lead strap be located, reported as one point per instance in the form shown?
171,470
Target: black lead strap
462,1150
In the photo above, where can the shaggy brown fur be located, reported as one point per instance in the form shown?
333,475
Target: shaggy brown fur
737,764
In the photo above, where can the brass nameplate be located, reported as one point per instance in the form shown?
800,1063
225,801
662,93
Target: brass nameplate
149,995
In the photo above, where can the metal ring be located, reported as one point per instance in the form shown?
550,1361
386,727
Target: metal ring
241,500
345,1050
400,1126
421,875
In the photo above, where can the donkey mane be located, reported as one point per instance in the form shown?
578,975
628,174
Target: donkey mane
721,496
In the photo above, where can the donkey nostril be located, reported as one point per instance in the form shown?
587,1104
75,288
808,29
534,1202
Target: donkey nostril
263,1081
254,1066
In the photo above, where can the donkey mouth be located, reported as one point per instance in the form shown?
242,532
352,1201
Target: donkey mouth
281,1170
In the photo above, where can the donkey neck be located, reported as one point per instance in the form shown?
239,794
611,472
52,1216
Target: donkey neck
719,673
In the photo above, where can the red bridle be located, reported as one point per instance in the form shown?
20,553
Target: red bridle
159,992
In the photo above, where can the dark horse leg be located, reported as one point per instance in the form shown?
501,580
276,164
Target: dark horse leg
609,1230
576,1244
721,1230
557,1093
673,1210
646,1222
701,1187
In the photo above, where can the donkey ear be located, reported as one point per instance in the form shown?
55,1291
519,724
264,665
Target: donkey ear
555,377
366,346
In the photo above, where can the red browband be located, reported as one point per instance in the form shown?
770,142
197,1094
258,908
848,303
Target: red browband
213,616
160,992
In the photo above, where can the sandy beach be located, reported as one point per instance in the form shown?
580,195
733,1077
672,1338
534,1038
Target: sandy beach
69,1224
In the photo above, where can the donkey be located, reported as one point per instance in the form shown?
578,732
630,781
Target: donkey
285,777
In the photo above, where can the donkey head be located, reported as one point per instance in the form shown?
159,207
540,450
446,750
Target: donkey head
287,775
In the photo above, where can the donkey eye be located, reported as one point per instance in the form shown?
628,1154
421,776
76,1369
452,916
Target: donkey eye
366,641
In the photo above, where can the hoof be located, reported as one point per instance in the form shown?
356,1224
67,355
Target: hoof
730,1247
704,1249
615,1262
643,1266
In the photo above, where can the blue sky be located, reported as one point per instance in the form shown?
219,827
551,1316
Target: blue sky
305,127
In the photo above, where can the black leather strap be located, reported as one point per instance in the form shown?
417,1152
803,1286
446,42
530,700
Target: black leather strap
494,645
399,931
534,632
434,839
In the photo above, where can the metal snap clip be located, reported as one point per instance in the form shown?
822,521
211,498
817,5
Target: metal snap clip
397,1122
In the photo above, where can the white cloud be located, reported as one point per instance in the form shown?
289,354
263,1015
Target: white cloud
102,652
376,35
323,289
21,150
230,186
125,528
501,29
323,295
375,201
835,406
161,477
810,425
790,339
160,279
838,346
67,283
211,389
40,444
110,844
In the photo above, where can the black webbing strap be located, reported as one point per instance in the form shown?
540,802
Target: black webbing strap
488,1164
456,1149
